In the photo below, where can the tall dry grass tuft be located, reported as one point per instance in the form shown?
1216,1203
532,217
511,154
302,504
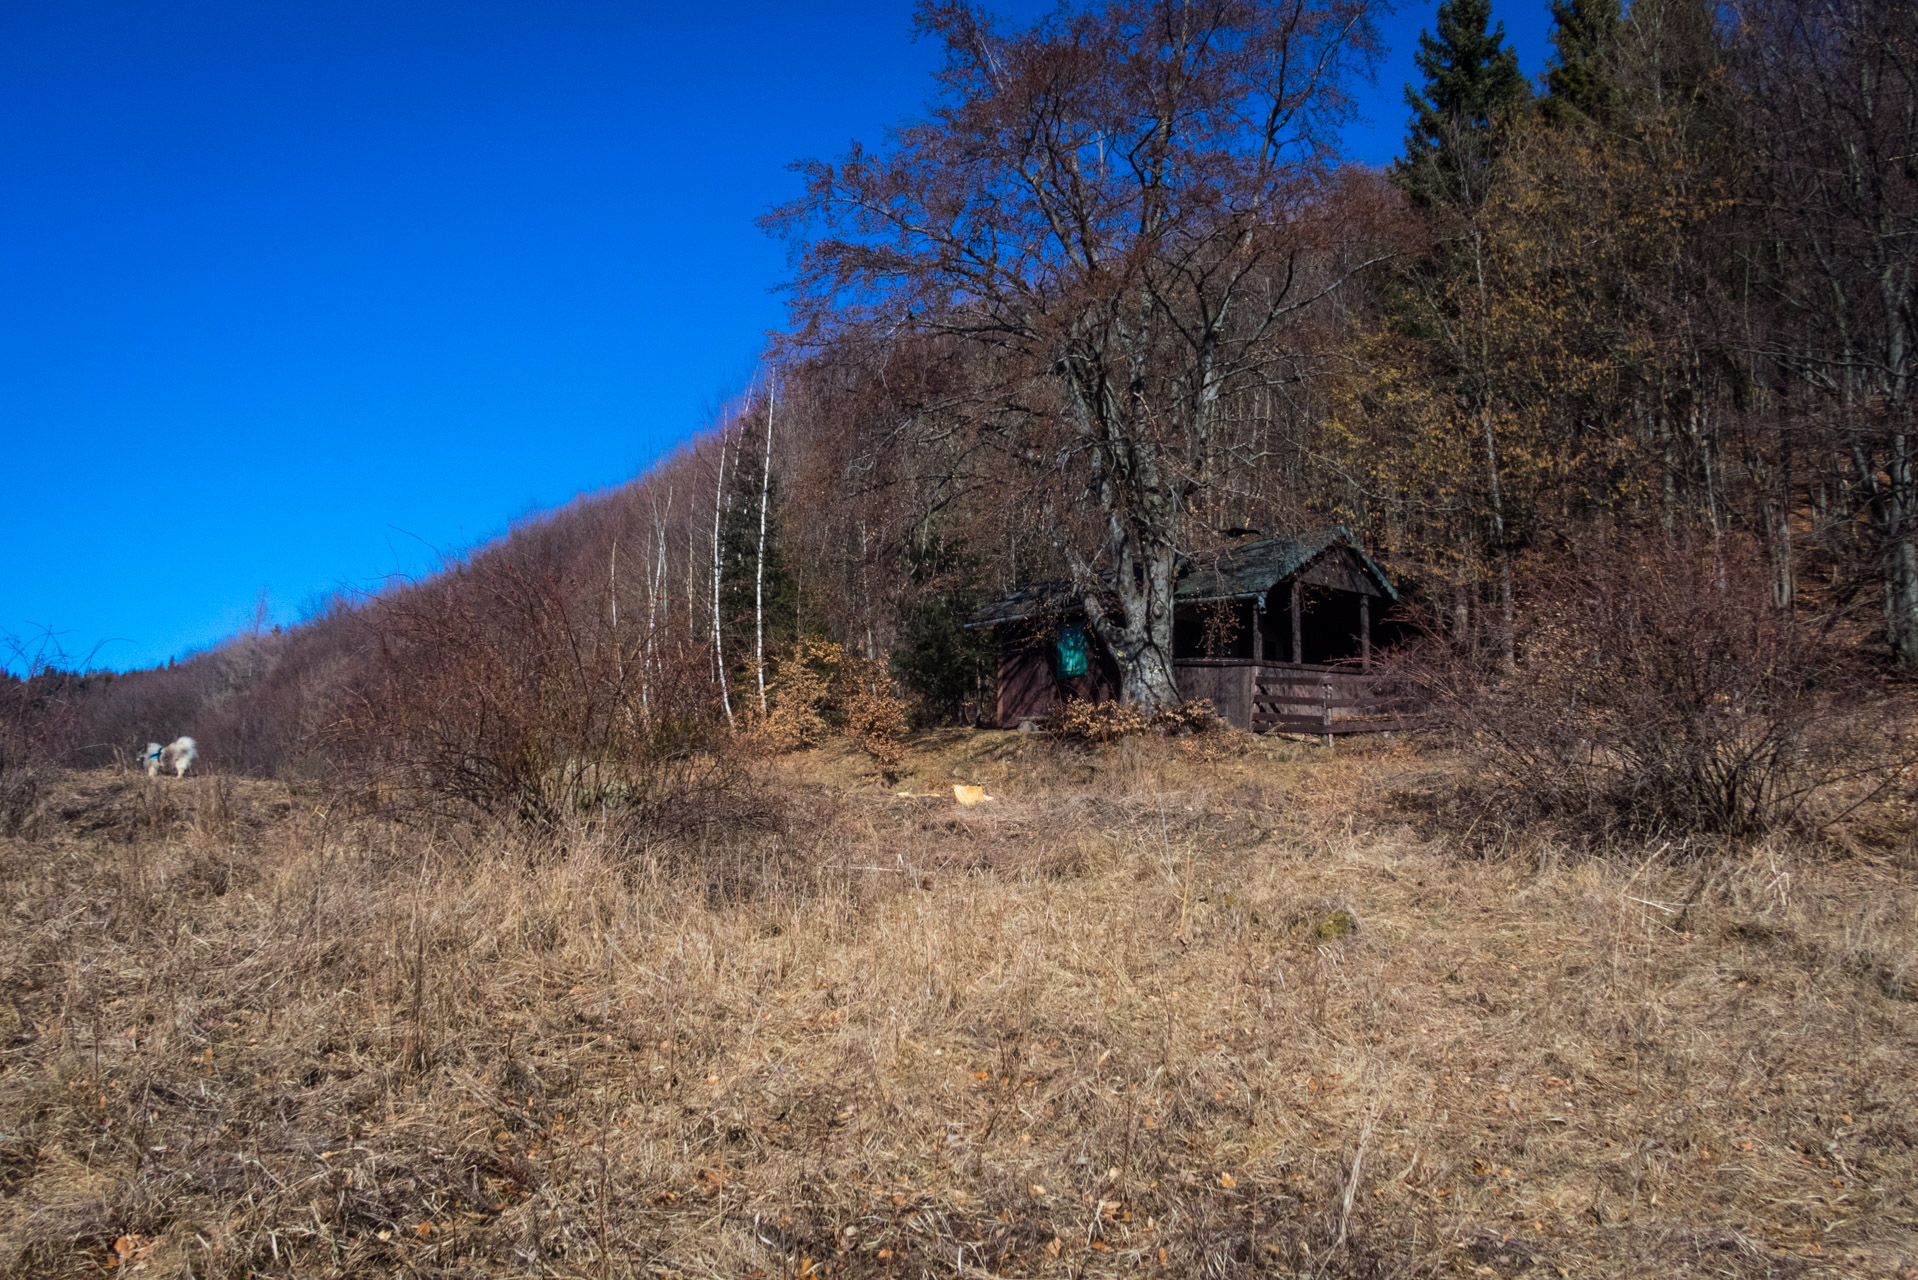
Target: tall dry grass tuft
1145,1013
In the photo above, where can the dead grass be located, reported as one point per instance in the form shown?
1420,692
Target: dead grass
1108,1022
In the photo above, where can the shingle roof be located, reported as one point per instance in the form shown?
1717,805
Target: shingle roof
1253,568
1249,569
1031,600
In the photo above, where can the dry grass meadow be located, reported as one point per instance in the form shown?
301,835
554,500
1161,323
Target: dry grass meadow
1144,1012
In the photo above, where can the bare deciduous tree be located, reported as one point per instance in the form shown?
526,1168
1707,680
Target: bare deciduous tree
1832,87
1126,207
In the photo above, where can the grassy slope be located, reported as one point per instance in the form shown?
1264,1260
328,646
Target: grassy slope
244,1033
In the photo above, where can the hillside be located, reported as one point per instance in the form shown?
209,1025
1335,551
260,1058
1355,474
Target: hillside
1169,1007
600,904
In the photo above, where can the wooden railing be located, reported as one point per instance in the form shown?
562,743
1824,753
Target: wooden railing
1298,697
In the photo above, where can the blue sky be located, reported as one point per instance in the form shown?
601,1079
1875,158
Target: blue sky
294,296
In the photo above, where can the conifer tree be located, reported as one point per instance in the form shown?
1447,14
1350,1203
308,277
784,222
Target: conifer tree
1579,84
1472,82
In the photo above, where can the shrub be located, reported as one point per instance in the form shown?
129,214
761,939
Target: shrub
820,687
1109,721
875,713
37,715
798,694
1658,691
499,688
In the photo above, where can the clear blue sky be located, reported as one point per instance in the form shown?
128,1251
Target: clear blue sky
293,294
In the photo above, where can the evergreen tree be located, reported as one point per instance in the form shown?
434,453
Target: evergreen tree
1472,83
1580,84
938,659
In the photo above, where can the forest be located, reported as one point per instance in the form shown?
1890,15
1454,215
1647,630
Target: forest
1628,351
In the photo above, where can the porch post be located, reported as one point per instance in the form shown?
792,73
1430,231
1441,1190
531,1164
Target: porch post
1258,629
1298,635
1365,633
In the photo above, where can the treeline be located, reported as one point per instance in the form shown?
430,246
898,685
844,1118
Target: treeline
1118,298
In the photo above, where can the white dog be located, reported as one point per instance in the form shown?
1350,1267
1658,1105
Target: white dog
177,755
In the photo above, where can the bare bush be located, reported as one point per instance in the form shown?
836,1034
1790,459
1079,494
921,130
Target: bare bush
498,690
1659,691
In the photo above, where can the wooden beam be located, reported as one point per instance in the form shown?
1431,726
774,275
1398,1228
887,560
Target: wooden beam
1365,633
1298,633
1341,576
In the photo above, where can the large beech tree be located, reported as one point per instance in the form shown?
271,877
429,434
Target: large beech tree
1130,209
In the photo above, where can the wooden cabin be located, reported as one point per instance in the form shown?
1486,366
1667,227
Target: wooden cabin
1276,632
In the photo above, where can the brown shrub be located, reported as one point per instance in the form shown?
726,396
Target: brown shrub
500,690
1085,721
1659,691
798,694
875,710
820,687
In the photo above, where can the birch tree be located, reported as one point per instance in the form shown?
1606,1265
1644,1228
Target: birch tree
759,558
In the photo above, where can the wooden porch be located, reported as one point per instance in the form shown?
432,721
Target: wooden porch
1298,697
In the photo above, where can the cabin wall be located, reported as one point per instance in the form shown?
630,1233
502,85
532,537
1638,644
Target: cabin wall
1027,686
1025,683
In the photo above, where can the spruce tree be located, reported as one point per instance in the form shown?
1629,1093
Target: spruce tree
938,659
1580,84
1472,82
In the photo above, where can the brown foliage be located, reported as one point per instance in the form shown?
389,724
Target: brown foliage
820,687
1086,721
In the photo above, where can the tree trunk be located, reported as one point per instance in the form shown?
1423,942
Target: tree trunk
1140,637
759,565
1891,511
1901,601
719,644
1891,502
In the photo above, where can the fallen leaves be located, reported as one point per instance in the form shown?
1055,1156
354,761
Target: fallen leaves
129,1249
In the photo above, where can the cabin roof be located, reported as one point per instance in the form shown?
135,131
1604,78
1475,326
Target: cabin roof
1254,568
1249,569
1029,601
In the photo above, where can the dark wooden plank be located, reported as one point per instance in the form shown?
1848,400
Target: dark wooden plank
1228,687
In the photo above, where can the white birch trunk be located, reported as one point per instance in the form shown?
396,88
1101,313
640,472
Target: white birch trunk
759,567
719,644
